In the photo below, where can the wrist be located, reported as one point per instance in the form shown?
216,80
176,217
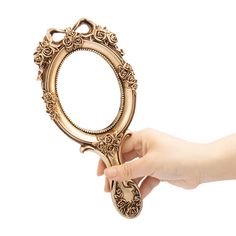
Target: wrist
207,162
216,164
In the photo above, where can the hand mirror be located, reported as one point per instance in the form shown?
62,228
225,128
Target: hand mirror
53,57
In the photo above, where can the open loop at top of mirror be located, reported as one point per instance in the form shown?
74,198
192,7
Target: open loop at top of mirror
49,56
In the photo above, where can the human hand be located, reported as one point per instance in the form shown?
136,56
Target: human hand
150,156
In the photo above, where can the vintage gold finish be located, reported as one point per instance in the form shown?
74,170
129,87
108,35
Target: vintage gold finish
49,56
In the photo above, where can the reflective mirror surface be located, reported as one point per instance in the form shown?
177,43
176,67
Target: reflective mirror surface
88,90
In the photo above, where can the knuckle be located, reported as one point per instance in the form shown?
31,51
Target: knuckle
126,171
148,130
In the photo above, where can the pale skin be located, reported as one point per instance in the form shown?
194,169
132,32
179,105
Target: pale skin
150,156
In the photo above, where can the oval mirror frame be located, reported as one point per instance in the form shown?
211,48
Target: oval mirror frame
88,90
49,56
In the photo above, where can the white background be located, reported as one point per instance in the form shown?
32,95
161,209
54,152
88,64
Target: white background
184,57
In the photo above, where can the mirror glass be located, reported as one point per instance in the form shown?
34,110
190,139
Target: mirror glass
88,90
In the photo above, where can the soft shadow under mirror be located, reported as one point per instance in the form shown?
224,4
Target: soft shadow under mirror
88,90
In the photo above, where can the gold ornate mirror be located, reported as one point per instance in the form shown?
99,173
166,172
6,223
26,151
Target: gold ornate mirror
53,57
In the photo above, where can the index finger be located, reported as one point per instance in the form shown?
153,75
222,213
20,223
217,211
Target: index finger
133,143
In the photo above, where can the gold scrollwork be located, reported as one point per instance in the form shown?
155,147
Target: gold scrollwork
43,55
72,40
104,36
128,208
51,102
126,74
109,144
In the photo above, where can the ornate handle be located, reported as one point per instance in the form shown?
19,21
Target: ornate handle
125,195
127,198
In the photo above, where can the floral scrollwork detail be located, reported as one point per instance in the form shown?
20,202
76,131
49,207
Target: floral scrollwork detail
128,208
109,144
51,102
104,36
100,35
72,40
43,55
126,74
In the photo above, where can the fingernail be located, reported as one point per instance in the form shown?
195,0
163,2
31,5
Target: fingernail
111,172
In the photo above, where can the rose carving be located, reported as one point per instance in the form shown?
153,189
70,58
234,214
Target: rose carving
100,35
48,51
128,208
125,71
43,55
78,41
112,38
50,100
109,144
126,74
38,58
68,42
72,40
132,82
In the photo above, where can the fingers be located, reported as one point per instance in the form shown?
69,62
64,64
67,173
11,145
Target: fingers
148,184
128,156
101,167
130,149
107,185
130,170
125,157
138,180
186,184
133,143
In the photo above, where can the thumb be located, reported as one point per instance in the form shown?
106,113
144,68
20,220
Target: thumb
129,170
